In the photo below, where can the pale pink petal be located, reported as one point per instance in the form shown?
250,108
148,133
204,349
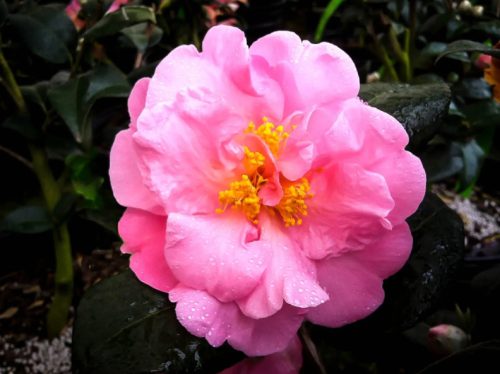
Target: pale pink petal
405,177
347,212
288,361
355,292
389,253
143,236
217,253
204,316
137,100
289,277
126,178
309,74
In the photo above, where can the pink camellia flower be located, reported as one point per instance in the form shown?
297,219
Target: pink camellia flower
261,191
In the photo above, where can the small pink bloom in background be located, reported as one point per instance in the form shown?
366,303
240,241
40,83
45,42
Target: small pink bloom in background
447,339
261,191
220,8
483,61
288,361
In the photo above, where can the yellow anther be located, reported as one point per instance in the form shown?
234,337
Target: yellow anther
253,160
273,136
292,206
242,195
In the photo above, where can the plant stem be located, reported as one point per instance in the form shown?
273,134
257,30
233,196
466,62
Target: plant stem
17,157
51,192
382,54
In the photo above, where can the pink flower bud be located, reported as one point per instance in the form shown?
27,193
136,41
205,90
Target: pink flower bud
446,339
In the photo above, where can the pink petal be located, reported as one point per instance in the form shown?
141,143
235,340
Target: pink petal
126,178
137,100
143,236
289,277
309,74
288,361
204,316
405,177
217,253
355,292
347,212
389,253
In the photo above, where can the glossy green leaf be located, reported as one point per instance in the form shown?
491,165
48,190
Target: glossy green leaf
419,108
67,100
105,81
468,46
442,161
23,125
483,113
84,182
113,22
40,38
54,17
27,220
143,35
123,326
472,155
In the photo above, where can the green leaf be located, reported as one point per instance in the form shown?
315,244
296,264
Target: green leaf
84,182
442,161
40,38
483,113
105,81
27,220
325,17
54,17
123,326
472,155
142,36
479,358
419,108
67,100
468,46
113,22
23,125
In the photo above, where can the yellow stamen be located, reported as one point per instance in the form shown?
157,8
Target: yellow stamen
253,160
274,136
292,206
242,195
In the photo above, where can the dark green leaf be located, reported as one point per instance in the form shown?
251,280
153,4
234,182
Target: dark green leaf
40,39
442,161
113,22
479,358
27,220
123,326
473,88
143,35
23,125
54,17
36,94
67,100
468,46
63,208
84,182
472,155
419,108
105,81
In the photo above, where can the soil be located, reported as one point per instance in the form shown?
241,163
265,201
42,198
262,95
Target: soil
25,295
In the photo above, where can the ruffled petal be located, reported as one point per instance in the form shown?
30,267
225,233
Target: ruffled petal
289,277
355,292
347,212
204,316
143,237
389,253
220,254
137,100
126,178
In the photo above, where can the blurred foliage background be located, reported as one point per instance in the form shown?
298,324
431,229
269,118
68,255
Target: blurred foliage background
66,70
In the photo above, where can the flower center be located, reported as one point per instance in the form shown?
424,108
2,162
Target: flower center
243,194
